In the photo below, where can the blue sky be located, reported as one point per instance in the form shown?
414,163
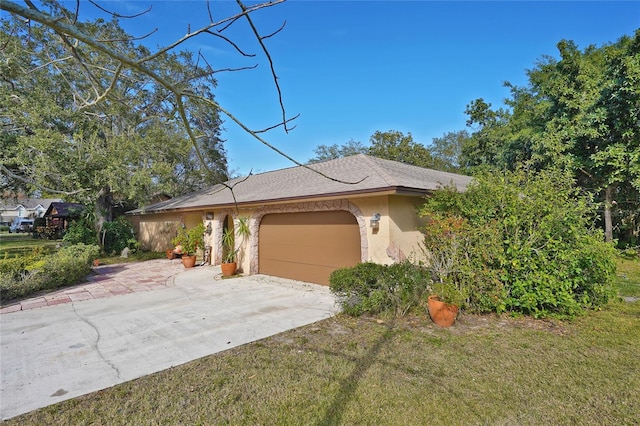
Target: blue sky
350,68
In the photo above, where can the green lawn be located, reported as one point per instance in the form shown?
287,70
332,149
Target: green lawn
23,243
19,244
20,252
484,370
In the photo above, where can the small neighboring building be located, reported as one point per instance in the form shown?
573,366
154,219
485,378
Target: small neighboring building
306,222
22,207
59,214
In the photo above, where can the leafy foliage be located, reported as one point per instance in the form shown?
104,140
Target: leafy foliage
396,146
230,252
117,235
24,275
330,152
190,239
81,231
130,142
578,113
370,288
526,244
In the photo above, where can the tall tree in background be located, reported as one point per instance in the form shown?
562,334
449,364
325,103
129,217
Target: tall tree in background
128,145
579,113
446,151
396,146
88,112
329,152
390,145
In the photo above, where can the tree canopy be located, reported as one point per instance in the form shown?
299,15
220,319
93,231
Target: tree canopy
89,112
395,145
578,113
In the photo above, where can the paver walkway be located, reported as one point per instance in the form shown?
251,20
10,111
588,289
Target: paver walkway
107,281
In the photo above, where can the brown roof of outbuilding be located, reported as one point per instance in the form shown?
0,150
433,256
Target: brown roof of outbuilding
64,210
357,174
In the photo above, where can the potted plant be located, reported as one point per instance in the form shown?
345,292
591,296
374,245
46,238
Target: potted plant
229,264
190,240
444,302
229,251
444,247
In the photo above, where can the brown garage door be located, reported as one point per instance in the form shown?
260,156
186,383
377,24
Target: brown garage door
308,246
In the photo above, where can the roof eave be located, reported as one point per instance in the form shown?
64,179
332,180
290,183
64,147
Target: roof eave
394,190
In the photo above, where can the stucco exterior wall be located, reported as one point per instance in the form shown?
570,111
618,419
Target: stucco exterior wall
377,238
404,234
395,238
155,231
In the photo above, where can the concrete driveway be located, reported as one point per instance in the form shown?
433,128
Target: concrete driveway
59,352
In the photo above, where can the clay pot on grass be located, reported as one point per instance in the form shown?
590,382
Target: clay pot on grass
441,313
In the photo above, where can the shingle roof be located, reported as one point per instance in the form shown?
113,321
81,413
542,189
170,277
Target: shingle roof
64,210
348,175
28,203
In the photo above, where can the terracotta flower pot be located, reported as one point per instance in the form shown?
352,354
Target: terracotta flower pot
189,261
441,313
228,269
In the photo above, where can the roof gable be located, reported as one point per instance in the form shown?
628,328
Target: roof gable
64,210
26,203
340,177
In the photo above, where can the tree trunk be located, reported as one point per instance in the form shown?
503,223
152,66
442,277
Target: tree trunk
103,209
608,225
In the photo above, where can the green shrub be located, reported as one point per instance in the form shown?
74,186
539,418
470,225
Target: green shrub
527,244
14,266
83,252
117,235
80,231
64,270
25,275
373,289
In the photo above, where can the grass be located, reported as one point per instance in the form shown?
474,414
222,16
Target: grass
24,245
484,370
628,271
12,245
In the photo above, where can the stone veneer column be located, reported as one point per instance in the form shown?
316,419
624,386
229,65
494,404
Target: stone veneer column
218,225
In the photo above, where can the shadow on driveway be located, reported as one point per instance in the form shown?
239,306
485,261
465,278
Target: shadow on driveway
60,352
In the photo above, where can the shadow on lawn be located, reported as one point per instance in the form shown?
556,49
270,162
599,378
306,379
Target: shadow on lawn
349,385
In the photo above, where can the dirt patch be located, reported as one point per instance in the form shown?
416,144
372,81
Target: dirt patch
472,323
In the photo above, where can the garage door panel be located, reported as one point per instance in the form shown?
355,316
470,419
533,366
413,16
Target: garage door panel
300,271
308,246
309,254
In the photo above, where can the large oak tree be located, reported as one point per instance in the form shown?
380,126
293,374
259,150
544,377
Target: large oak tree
89,112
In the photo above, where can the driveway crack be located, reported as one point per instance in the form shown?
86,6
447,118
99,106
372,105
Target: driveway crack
96,345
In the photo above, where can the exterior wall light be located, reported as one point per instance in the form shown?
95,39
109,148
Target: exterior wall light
375,221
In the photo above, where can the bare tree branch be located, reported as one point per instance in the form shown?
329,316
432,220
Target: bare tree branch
117,15
142,37
268,55
140,65
207,28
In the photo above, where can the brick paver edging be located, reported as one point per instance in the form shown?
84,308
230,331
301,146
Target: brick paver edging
108,281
